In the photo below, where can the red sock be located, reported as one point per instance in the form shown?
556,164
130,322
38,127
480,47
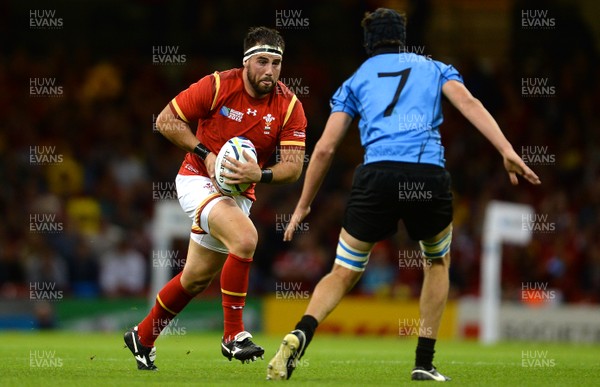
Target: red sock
234,285
171,300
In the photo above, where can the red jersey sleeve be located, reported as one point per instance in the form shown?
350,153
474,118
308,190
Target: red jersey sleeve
294,127
196,101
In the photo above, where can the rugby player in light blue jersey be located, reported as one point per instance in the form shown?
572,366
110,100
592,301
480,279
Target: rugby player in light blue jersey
397,97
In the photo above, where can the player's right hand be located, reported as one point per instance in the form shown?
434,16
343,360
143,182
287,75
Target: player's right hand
209,163
297,217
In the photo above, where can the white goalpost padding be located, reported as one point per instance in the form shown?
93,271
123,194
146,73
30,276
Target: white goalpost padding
504,222
169,223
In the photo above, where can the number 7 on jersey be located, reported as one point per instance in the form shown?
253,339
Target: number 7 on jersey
403,78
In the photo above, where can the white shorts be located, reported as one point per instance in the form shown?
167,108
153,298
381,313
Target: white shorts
197,196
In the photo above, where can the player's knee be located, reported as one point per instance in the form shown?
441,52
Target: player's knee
243,242
437,251
351,258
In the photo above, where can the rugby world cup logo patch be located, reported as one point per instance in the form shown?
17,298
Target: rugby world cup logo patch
232,114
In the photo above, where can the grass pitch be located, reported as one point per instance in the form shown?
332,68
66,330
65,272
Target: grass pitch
77,359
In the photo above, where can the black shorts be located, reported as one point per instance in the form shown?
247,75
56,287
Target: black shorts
384,193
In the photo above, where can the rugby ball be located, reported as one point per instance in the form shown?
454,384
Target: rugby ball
233,148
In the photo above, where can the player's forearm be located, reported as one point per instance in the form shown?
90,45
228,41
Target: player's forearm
478,115
322,156
315,174
176,131
289,167
286,172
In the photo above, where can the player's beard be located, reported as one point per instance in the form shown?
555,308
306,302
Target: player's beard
259,88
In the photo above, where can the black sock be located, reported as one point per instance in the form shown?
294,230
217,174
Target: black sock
425,353
308,324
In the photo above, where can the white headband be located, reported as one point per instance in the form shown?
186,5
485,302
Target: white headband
261,50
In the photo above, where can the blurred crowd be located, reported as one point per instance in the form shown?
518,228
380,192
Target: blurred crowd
80,164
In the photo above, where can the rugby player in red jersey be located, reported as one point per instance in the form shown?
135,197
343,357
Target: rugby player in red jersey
248,102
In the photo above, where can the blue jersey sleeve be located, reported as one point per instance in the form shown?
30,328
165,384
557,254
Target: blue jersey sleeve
449,73
344,100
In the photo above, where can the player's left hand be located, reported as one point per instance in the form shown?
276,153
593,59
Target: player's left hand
240,173
514,166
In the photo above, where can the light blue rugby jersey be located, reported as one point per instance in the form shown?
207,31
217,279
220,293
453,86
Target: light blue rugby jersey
398,97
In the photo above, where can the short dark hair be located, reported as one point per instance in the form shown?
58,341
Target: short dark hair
263,35
383,28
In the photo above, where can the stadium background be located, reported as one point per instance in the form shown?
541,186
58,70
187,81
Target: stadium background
82,167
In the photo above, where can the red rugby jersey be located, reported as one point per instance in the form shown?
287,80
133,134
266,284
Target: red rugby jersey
224,110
